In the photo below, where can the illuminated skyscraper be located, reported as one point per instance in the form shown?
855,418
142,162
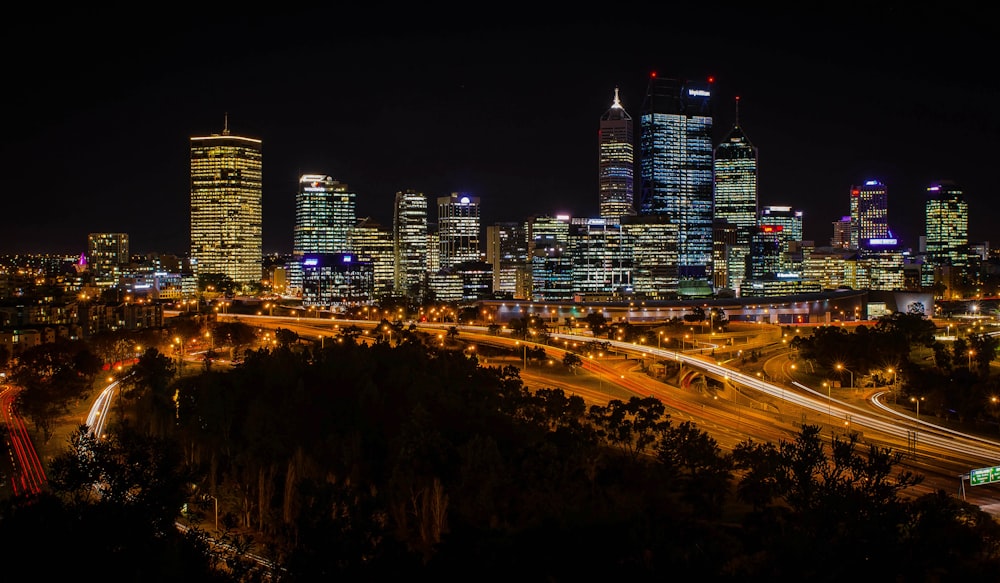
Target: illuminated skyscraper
226,206
324,216
947,225
869,213
735,194
616,162
458,229
374,244
507,252
841,238
107,253
551,263
675,148
410,243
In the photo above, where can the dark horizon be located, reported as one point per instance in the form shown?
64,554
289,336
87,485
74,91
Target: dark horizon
507,113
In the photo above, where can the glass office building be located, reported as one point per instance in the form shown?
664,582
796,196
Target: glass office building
226,222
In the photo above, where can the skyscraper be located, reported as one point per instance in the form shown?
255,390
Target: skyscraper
616,162
107,253
735,196
226,195
735,205
409,243
869,213
324,216
675,148
947,225
458,229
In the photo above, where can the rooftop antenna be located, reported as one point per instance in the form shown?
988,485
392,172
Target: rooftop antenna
617,102
225,125
737,111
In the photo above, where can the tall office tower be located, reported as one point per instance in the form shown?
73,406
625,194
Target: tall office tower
615,162
788,221
324,216
409,243
507,252
551,263
675,162
841,238
869,213
107,254
735,167
458,229
724,236
653,243
601,264
226,197
374,244
947,225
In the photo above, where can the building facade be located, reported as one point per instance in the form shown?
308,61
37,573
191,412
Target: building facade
107,256
675,151
869,213
410,243
458,229
226,195
324,215
616,162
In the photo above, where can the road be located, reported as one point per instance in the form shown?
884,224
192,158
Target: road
26,472
748,406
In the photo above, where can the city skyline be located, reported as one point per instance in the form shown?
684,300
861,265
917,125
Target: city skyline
104,135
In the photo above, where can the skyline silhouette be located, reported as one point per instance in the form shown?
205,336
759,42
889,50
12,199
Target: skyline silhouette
503,110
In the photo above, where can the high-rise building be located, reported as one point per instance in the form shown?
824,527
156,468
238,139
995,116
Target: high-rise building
947,225
841,238
458,229
324,216
735,195
507,252
107,254
551,263
226,194
410,243
869,213
374,244
787,221
675,162
616,162
652,241
601,264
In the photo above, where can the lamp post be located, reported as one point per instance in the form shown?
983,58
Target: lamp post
216,501
971,352
842,367
917,401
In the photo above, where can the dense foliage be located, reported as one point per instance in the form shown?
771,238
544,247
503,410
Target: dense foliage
401,458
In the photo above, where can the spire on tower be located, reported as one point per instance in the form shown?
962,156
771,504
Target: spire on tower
737,111
225,125
617,102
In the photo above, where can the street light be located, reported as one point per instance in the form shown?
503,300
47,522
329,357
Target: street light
842,367
971,352
917,401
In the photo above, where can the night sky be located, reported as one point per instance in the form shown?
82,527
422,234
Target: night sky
100,105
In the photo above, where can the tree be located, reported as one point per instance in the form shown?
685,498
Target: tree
572,361
817,510
632,426
148,383
52,379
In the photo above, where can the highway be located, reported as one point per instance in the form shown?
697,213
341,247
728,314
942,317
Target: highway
747,406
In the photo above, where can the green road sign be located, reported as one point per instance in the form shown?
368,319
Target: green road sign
982,476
